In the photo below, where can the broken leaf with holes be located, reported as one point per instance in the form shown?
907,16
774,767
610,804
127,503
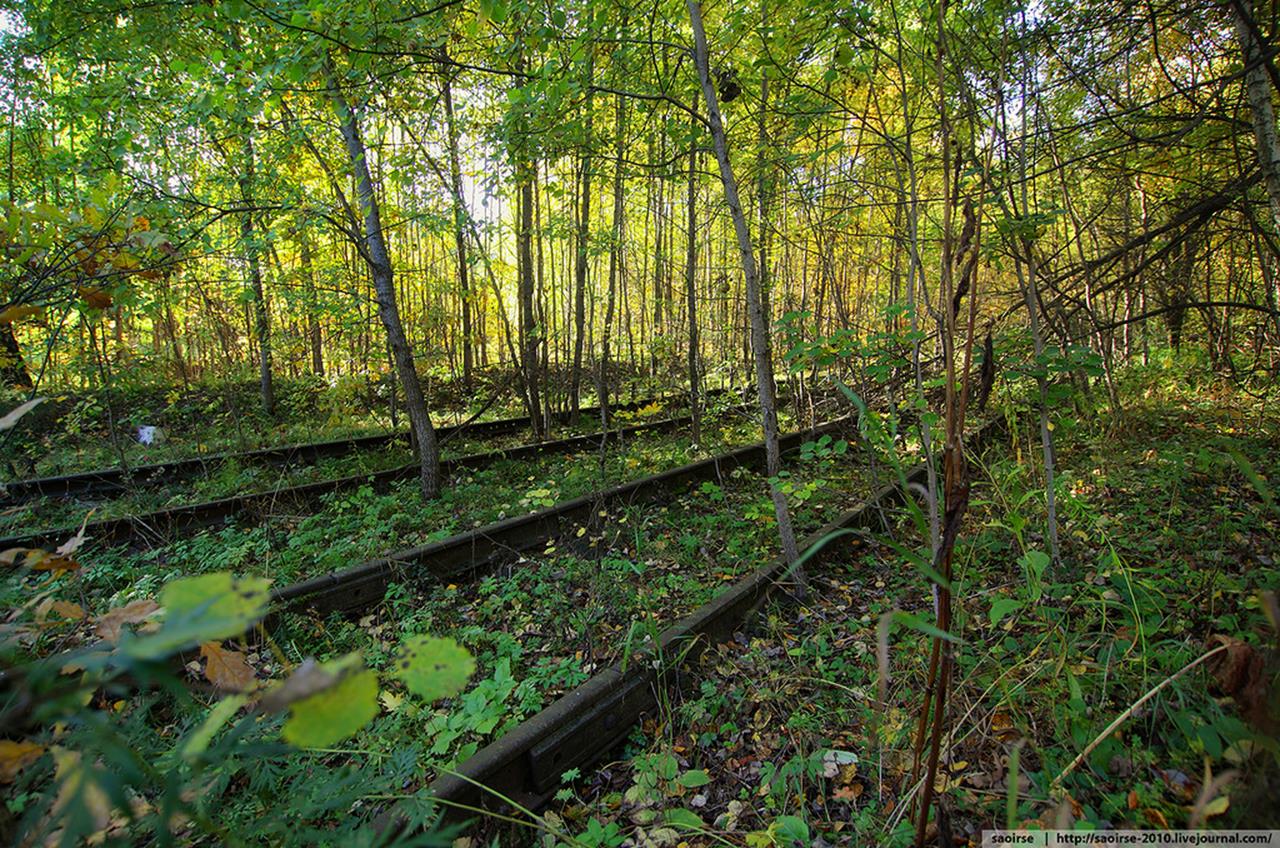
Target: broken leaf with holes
432,667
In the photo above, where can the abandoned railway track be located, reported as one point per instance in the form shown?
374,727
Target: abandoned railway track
167,524
525,766
108,481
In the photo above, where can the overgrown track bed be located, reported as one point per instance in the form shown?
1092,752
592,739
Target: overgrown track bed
112,480
355,589
350,527
165,525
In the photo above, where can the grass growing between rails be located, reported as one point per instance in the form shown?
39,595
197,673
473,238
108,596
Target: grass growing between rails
73,433
1073,705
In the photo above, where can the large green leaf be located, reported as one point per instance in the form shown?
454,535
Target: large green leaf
334,714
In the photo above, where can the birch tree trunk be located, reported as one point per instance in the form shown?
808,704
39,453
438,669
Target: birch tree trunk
759,326
378,259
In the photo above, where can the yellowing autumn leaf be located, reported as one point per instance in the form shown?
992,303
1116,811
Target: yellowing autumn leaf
334,714
15,756
19,313
68,610
1217,806
227,669
95,298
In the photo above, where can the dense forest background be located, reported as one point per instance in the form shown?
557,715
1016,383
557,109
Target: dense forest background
182,205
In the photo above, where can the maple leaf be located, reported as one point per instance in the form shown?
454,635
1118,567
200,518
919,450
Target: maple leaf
226,669
110,623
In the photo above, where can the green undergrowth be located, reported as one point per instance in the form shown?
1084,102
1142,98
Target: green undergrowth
543,625
73,432
1169,540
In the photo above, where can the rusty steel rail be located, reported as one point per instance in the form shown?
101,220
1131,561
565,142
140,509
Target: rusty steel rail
458,557
173,522
105,481
584,725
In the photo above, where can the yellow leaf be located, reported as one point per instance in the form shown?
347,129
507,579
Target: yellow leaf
1217,806
75,779
15,756
391,701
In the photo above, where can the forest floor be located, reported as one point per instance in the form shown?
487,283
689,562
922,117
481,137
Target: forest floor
1169,545
1170,536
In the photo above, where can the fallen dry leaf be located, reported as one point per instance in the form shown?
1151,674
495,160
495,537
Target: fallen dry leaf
68,610
110,624
1239,672
15,756
73,544
226,669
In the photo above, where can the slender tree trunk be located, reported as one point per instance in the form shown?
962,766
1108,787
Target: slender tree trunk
529,329
378,259
580,279
659,258
691,279
1266,141
459,232
615,260
262,320
755,304
1258,91
314,333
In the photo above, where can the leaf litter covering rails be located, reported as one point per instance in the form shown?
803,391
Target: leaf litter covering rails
107,480
176,519
354,526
